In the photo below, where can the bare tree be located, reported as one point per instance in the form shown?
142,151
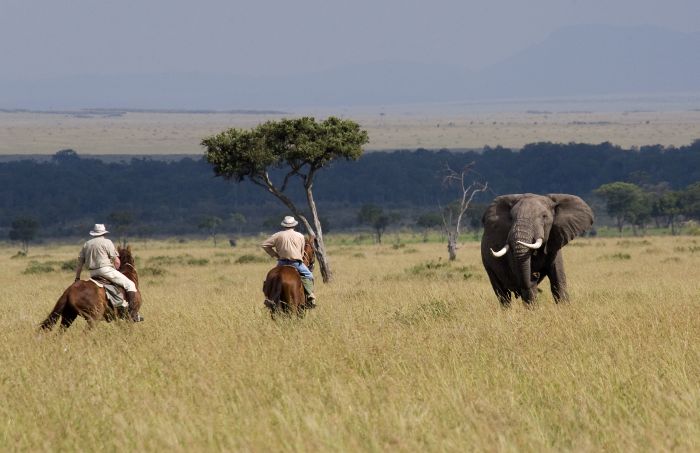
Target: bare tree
467,180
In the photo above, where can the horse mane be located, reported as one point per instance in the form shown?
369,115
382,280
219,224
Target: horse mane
125,255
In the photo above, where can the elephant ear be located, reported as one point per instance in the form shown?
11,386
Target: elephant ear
497,220
572,216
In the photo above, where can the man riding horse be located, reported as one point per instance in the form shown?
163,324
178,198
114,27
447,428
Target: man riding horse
102,260
288,247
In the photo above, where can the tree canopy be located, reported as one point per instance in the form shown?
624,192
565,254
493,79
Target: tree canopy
299,147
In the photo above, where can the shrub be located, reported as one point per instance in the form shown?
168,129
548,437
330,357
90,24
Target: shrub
35,267
249,258
440,269
152,272
69,265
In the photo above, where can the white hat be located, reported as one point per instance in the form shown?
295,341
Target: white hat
289,222
98,230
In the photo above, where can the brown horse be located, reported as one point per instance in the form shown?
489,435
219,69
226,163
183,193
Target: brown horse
84,298
283,289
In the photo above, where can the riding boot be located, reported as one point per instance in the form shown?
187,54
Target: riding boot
309,291
131,298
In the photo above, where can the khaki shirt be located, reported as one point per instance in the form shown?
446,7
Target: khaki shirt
286,245
98,252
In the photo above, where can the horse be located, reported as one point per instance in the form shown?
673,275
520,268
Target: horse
283,289
85,298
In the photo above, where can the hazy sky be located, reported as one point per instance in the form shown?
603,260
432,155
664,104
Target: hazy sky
45,38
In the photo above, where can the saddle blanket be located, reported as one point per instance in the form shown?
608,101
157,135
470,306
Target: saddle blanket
113,293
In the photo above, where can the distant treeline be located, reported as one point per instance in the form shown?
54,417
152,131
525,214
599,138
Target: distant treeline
68,193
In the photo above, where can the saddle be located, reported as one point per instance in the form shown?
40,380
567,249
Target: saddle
115,294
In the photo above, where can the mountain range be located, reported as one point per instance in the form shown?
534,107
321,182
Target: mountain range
584,60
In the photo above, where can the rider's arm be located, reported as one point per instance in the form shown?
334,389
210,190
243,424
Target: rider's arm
117,262
269,247
79,268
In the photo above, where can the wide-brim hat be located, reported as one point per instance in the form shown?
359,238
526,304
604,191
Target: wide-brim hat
98,230
289,222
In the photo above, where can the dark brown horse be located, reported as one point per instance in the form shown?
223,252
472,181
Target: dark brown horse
84,298
283,289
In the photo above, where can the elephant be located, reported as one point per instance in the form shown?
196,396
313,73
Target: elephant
522,241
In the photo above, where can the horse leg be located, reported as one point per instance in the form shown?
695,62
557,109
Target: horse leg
55,314
68,316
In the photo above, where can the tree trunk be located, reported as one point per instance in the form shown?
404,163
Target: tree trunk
323,262
316,230
452,245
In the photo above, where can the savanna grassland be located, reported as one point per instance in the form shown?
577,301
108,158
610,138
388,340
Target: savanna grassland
404,353
407,127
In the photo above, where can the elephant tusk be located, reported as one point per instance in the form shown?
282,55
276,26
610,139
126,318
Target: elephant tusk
501,252
535,246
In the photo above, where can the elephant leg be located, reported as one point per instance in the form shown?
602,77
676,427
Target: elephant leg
557,279
503,295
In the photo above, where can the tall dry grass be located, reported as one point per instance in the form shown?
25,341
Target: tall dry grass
405,353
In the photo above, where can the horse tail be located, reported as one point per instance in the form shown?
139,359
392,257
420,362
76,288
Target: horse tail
49,322
275,289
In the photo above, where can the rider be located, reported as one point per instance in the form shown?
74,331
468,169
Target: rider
288,247
102,260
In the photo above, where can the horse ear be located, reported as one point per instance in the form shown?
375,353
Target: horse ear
572,216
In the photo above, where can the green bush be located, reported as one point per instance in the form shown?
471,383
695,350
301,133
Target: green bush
35,267
440,269
152,272
248,258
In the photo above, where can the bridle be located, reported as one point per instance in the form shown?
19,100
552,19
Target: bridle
307,259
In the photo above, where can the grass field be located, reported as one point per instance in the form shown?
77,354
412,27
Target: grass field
404,353
408,127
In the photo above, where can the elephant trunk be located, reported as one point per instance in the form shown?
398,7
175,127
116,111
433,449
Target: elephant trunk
522,237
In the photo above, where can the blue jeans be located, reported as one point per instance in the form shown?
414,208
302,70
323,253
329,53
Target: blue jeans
304,271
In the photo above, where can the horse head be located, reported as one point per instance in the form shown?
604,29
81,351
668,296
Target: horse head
309,257
125,255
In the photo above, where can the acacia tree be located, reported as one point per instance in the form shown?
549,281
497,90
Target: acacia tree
624,202
452,216
211,224
23,229
374,216
300,146
121,221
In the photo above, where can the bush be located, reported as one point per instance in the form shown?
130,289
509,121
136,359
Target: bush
248,258
69,265
440,269
152,272
35,267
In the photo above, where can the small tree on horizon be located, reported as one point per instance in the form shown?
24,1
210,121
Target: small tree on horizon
375,217
623,202
121,222
301,147
23,229
211,225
